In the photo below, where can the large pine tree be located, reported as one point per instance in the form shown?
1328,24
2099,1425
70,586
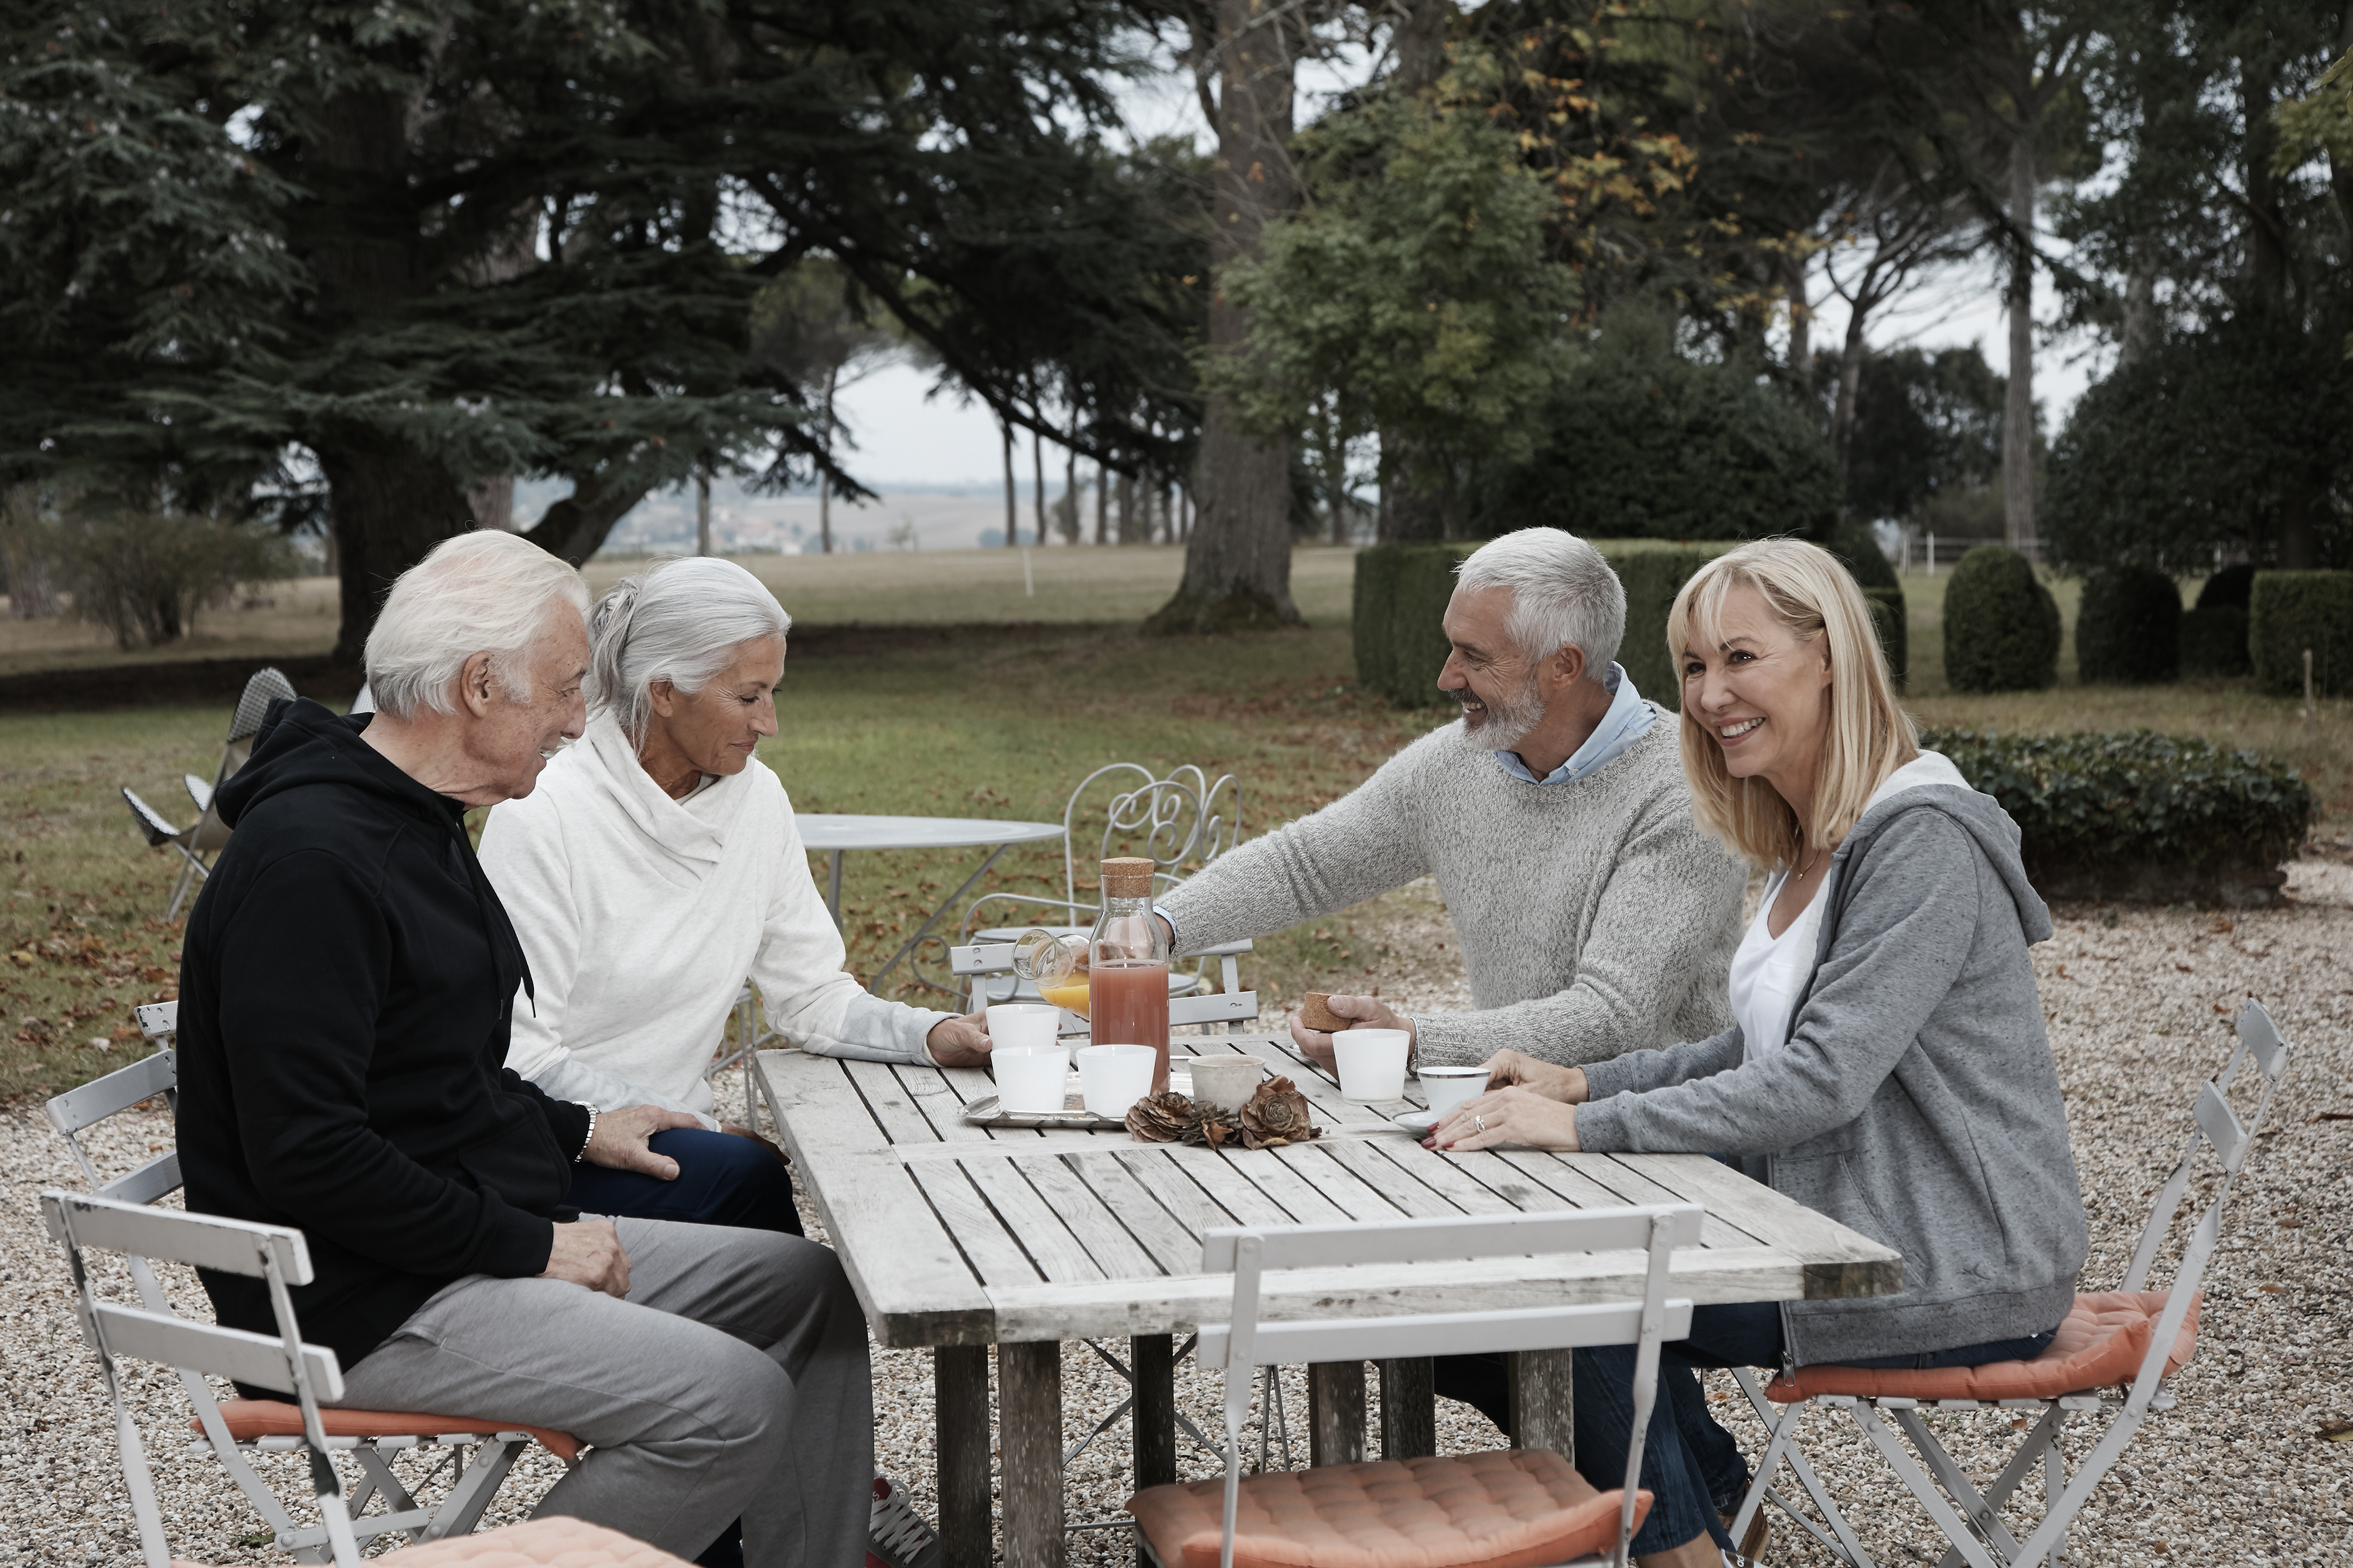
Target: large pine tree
381,252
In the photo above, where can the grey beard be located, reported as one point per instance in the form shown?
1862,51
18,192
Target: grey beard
1507,724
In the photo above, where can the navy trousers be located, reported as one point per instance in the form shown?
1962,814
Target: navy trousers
722,1180
1691,1466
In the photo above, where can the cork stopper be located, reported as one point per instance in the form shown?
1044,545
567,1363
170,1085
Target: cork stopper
1128,877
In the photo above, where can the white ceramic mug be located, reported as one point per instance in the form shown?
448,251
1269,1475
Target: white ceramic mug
1112,1078
1372,1063
1450,1087
1030,1078
1227,1082
1021,1023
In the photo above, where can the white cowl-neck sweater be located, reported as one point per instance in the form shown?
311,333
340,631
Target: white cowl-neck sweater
642,915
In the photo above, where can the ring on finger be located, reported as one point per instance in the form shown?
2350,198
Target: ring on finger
1478,1125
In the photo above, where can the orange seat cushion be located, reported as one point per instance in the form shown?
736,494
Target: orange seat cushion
1513,1507
541,1544
2101,1343
248,1419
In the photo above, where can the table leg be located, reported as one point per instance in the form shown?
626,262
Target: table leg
1335,1413
1544,1402
1408,1409
1154,1359
960,1404
1029,1430
833,886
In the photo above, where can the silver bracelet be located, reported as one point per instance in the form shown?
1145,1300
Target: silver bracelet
592,1135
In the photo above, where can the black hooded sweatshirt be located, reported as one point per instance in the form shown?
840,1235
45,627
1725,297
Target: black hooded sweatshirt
345,995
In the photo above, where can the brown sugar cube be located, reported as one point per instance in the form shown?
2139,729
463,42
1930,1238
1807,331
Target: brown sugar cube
1315,1013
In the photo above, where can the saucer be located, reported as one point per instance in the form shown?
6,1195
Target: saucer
1417,1122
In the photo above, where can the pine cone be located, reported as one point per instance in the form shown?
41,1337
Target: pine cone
1277,1115
1162,1118
1211,1127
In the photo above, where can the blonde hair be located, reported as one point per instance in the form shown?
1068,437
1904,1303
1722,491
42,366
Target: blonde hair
1809,592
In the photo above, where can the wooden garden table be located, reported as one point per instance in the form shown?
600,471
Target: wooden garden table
959,1237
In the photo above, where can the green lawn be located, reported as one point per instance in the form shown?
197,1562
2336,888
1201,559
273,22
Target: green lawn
995,725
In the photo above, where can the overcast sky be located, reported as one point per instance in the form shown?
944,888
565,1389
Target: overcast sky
907,440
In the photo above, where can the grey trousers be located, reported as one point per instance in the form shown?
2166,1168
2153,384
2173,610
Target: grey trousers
732,1382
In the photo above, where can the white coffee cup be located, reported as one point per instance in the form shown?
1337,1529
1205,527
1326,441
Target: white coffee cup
1112,1078
1372,1063
1227,1082
1450,1087
1030,1078
1021,1023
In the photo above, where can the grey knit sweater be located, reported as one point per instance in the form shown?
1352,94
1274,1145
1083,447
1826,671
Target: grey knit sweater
1594,917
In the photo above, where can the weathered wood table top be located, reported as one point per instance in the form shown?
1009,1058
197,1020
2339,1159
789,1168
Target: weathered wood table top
957,1234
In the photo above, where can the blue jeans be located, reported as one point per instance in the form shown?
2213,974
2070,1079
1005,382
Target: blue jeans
722,1180
1691,1466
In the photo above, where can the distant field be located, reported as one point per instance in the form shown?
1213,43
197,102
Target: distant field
878,588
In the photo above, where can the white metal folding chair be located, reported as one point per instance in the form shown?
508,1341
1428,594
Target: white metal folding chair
1580,1520
234,1430
2130,1337
201,839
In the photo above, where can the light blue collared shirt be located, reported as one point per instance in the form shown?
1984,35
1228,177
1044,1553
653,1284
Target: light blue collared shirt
1628,718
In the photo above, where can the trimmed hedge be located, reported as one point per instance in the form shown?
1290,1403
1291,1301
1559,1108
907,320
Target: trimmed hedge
2288,612
1858,551
2214,640
2001,624
2128,631
1888,619
1652,578
2140,816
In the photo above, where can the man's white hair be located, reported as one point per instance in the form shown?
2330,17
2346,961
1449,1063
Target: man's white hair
1562,591
680,621
484,592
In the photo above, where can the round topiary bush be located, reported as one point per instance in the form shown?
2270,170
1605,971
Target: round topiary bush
2230,587
2002,625
1858,550
2128,631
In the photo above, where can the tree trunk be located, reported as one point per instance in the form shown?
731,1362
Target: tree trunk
1408,511
1127,509
2018,414
824,484
2143,330
32,591
1802,320
1012,511
702,509
1850,384
392,502
1038,484
1103,505
1238,565
1070,532
491,502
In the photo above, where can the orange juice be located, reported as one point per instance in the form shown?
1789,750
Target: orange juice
1070,992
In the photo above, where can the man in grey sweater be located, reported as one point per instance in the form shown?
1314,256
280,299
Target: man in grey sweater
1594,917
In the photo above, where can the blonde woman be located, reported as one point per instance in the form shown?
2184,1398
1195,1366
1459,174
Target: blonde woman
1887,1066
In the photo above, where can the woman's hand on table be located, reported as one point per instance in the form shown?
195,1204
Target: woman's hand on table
1507,1069
960,1042
1507,1118
1364,1012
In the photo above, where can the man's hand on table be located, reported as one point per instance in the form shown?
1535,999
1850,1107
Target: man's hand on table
588,1252
1507,1068
618,1141
960,1042
1364,1012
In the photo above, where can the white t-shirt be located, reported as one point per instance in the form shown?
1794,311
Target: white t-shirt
1768,972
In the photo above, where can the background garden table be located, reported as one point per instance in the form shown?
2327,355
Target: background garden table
835,833
958,1238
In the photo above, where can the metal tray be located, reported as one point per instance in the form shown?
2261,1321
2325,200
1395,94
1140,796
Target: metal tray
1075,1117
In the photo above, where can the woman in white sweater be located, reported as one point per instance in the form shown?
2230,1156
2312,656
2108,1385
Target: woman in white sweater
656,866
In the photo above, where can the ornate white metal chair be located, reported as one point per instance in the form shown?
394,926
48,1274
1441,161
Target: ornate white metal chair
115,1217
2110,1358
205,837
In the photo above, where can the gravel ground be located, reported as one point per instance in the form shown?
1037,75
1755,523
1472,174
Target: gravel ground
2243,1471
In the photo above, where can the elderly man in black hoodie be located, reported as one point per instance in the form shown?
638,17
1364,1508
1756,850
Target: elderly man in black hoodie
345,999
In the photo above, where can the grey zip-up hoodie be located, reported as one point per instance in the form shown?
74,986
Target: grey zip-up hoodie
1915,1101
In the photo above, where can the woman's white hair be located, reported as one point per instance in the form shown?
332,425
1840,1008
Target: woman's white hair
1563,592
484,592
679,621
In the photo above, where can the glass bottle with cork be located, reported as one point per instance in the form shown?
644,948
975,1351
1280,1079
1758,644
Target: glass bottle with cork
1127,965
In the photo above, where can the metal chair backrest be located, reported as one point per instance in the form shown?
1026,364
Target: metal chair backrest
265,686
1647,1322
1182,822
82,1222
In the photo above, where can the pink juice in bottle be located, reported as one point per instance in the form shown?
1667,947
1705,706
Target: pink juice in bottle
1127,1005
